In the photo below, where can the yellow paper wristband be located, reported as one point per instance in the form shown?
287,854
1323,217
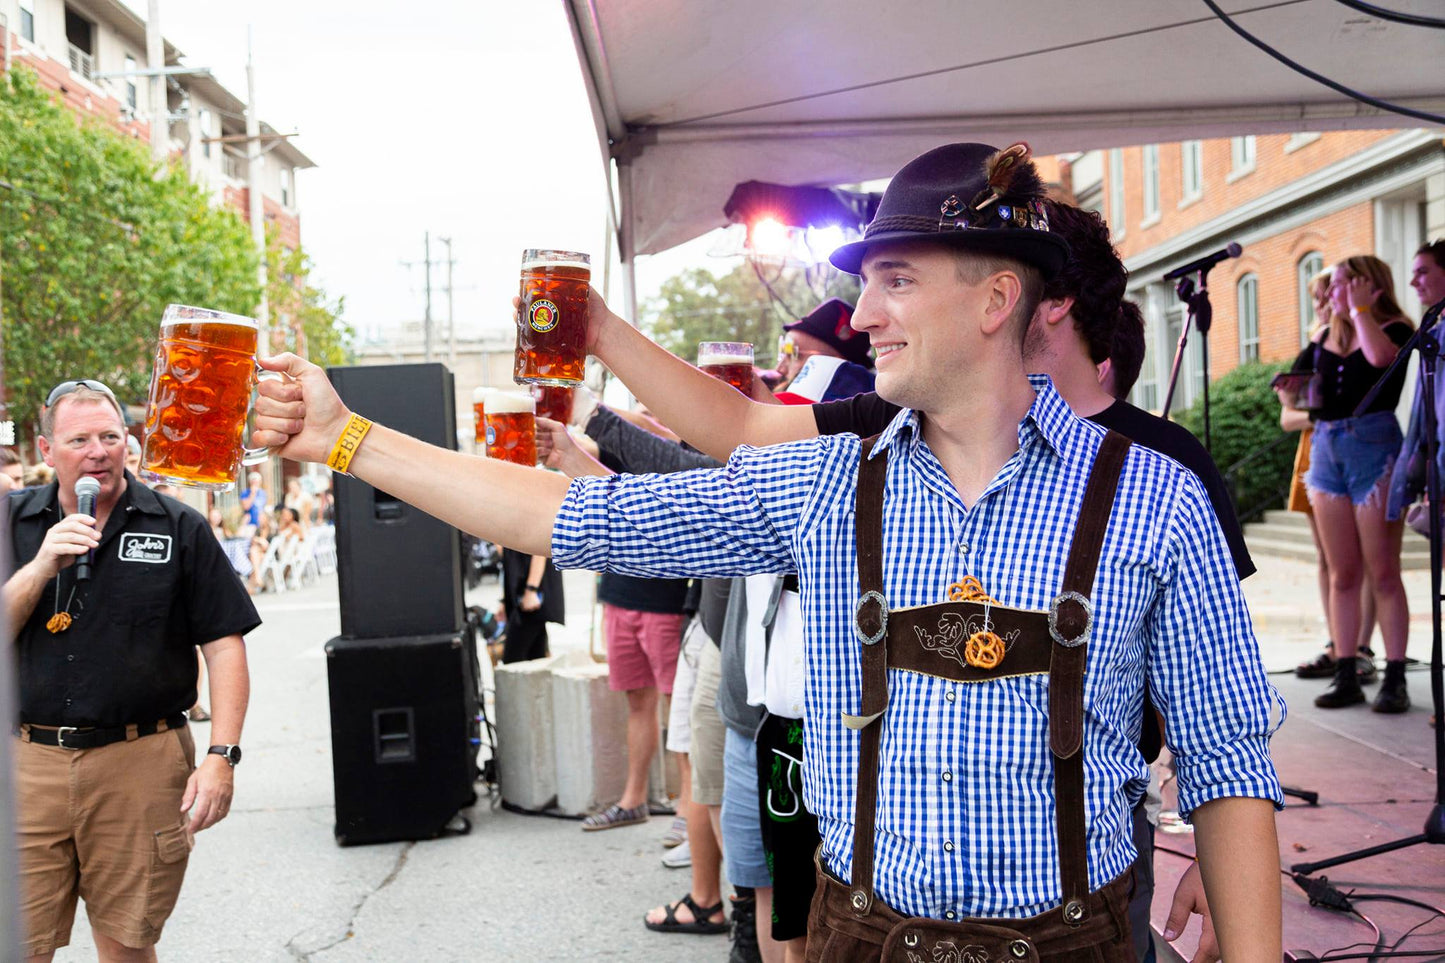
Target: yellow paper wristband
346,446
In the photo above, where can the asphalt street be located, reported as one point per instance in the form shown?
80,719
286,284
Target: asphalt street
270,883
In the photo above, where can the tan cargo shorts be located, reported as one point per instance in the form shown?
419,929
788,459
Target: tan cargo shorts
103,825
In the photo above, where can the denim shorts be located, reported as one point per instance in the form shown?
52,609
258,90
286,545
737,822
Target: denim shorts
742,827
1351,455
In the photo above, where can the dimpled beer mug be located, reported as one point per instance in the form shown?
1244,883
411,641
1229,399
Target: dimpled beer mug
479,412
730,361
511,427
201,394
553,402
552,325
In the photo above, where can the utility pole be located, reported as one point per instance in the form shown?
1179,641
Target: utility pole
156,60
427,263
256,210
426,324
451,318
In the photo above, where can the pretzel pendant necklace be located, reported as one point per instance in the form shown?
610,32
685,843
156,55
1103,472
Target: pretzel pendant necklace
984,649
61,621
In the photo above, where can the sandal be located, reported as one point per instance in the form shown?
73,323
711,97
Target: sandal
701,922
1322,667
676,834
614,816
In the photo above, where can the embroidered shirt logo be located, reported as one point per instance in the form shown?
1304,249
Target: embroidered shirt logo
946,951
954,631
153,549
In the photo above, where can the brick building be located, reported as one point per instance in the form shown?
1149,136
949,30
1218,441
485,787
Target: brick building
82,49
1295,202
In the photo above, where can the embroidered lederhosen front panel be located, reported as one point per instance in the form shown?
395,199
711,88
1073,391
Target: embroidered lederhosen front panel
950,640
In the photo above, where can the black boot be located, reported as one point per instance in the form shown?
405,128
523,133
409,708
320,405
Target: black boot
1392,696
1345,689
745,931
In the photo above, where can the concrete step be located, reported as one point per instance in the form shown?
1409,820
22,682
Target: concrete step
1414,557
1276,532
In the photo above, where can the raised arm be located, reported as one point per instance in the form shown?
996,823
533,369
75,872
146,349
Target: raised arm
495,500
708,414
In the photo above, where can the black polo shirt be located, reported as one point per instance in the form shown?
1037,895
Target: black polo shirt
159,587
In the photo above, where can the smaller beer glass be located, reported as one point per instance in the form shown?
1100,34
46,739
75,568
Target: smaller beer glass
553,402
511,427
552,325
730,361
201,395
479,412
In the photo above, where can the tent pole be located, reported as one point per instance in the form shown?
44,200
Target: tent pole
625,237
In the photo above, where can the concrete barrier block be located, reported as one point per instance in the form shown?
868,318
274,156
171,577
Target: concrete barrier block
525,749
590,738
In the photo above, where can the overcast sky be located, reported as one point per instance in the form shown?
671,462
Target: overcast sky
465,118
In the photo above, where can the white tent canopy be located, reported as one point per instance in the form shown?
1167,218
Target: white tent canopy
692,98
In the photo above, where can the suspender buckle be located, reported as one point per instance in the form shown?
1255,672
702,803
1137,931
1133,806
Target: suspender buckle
875,637
1082,626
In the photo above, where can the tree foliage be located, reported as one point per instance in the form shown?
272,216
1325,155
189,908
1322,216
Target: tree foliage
303,319
95,241
1243,419
697,306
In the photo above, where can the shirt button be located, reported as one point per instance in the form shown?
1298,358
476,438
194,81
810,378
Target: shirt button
70,658
947,776
950,695
963,548
950,915
948,845
67,702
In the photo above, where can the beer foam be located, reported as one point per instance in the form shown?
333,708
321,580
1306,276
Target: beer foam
496,402
727,359
535,258
480,395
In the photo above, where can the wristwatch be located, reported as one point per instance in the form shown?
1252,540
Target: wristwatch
534,588
232,754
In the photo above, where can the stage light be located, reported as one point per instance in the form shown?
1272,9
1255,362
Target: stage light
802,224
822,241
769,237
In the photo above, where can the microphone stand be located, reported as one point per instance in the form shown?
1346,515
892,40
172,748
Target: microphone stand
1201,315
1426,340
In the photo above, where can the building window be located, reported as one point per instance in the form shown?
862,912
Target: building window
1116,192
233,165
285,187
1247,305
1309,265
130,88
203,121
1241,155
80,36
27,20
1151,184
1191,166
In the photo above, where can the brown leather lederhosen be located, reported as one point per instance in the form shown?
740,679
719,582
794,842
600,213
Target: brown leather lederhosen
846,921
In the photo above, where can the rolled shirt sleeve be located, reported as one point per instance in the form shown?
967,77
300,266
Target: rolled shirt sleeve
741,519
1204,665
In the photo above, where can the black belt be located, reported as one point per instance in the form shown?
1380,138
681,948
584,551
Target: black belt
70,737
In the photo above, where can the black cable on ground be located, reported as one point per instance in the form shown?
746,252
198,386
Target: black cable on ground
1410,19
1433,119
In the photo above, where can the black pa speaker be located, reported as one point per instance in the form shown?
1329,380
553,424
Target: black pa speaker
404,735
399,569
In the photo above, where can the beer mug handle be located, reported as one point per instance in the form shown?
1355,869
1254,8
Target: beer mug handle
254,456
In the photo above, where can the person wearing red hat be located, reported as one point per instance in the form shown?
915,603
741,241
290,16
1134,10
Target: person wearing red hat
826,331
982,585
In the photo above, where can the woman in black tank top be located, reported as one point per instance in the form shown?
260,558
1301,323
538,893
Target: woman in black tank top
1349,472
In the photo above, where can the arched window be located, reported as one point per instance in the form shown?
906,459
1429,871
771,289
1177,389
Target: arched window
1309,265
1247,304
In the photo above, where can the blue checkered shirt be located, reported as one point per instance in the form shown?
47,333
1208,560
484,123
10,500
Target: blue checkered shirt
965,823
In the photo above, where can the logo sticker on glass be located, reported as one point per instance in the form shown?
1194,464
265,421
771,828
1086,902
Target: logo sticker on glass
543,316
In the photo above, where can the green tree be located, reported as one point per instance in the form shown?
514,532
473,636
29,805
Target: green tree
697,306
95,241
302,318
1244,422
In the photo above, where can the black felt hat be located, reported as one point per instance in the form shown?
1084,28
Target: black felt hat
829,322
969,196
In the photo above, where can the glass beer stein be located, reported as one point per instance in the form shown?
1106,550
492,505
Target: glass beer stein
552,325
730,361
202,387
511,427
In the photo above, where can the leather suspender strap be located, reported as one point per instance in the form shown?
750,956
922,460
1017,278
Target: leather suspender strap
871,628
1070,624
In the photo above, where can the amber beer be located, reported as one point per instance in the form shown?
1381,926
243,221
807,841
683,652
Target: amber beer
730,361
552,325
511,427
479,412
205,371
553,402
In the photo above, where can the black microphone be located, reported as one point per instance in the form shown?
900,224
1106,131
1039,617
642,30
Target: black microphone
86,489
1205,263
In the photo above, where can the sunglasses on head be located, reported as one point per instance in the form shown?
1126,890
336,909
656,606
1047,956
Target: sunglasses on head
66,387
